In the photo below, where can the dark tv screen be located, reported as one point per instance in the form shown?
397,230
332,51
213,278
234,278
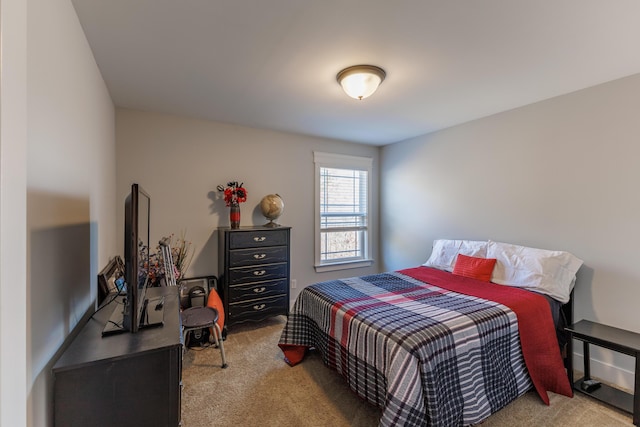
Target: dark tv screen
128,314
136,263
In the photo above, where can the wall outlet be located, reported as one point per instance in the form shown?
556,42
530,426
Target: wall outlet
294,283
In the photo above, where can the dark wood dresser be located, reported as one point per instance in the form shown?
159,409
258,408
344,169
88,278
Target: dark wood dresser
124,379
254,270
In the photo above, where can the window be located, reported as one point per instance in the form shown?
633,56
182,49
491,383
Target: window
342,211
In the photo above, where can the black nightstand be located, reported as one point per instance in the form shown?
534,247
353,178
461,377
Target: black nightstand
613,339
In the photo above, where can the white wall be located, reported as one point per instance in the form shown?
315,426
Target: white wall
180,162
559,174
71,164
13,139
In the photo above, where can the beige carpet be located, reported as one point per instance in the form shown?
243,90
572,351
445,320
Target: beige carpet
260,389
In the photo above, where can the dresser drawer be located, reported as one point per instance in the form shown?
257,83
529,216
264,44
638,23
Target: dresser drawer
258,309
258,238
253,256
246,292
257,273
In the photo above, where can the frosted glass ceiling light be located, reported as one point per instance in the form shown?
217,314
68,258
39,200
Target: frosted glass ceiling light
360,81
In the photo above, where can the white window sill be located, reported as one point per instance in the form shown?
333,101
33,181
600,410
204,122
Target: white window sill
320,268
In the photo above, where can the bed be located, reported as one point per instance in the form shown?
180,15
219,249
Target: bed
440,344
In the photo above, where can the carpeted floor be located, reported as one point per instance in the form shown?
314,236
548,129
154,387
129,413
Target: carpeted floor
260,389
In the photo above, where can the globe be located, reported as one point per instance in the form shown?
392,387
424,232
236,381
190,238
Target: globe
272,207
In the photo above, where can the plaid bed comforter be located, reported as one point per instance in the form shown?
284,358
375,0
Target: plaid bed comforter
427,355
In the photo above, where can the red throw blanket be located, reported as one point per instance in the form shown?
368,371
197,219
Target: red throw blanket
537,332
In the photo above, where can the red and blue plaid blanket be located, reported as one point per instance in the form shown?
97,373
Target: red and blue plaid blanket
426,354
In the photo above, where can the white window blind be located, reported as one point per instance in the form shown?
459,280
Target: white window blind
343,213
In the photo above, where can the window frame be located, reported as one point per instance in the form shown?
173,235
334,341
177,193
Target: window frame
341,161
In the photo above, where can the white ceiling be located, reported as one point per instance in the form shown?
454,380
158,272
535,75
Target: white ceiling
272,64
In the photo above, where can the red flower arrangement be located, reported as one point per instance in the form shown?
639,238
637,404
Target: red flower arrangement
234,193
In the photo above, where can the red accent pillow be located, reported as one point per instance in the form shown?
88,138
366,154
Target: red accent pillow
474,267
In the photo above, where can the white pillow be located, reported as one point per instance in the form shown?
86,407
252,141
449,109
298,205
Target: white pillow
547,272
444,253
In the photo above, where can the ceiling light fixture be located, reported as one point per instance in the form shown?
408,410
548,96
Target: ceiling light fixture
361,81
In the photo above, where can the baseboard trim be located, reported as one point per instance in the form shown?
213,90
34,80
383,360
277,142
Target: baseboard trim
606,372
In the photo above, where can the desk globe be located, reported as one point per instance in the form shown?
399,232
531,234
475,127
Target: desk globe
272,207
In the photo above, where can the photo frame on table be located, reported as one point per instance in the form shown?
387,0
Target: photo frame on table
108,276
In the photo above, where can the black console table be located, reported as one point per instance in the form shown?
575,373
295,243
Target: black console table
615,339
124,379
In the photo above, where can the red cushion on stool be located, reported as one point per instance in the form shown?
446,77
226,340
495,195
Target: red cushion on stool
214,301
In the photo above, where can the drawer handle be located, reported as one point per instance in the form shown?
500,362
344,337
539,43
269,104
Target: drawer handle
259,239
259,290
259,273
260,256
259,307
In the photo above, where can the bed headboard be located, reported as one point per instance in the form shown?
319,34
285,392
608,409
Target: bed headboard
566,345
567,310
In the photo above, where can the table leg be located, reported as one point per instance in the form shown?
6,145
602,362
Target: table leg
587,360
636,393
569,356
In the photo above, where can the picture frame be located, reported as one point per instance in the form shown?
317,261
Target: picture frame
108,276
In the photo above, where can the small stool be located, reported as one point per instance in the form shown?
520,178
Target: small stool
203,317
